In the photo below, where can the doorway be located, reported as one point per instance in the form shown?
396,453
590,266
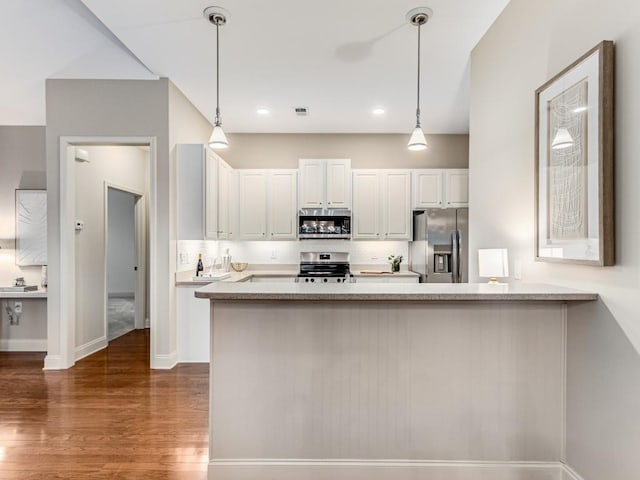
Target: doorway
124,292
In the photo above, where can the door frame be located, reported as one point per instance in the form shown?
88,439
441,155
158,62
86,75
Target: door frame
64,307
141,252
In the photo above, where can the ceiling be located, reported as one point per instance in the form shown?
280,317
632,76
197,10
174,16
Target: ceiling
338,58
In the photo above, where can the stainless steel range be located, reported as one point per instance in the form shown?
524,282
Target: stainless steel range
324,267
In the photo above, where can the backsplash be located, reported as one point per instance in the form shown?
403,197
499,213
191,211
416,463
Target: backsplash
286,252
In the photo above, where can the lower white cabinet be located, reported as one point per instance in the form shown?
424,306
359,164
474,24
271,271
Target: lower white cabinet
381,205
192,325
267,204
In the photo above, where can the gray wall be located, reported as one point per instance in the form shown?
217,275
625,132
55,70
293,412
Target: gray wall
121,252
111,108
250,150
22,165
528,44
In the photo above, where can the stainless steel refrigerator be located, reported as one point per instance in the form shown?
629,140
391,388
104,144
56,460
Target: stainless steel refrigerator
440,246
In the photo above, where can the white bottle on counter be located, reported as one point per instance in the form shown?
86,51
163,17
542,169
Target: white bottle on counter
226,261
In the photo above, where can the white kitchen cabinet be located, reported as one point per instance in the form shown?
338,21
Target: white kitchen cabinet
365,220
252,204
192,325
324,183
281,201
456,182
202,193
427,188
267,204
440,188
381,205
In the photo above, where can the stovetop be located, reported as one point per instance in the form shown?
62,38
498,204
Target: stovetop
324,267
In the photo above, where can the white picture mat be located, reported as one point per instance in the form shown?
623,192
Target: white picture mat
31,227
588,249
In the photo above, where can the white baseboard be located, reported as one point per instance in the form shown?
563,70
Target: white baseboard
569,473
164,362
53,362
91,347
258,469
23,345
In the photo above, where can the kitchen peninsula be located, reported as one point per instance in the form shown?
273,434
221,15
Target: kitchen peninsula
387,381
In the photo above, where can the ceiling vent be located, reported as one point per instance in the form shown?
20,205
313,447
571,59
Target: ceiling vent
301,111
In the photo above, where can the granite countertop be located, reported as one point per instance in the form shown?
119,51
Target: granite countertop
391,292
186,278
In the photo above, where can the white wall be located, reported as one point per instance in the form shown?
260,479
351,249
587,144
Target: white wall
528,44
126,167
121,242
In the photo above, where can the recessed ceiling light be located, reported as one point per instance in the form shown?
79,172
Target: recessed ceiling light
262,111
378,111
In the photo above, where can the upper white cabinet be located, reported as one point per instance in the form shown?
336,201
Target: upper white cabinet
325,183
456,187
267,204
202,193
381,205
440,188
281,201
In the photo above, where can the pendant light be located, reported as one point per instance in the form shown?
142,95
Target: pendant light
563,139
418,17
218,17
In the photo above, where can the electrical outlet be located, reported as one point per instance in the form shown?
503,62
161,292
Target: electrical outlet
184,258
17,307
374,257
274,254
517,269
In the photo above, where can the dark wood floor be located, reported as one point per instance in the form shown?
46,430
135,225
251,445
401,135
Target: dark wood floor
110,416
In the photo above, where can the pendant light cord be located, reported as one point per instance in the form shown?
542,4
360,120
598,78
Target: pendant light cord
218,122
418,99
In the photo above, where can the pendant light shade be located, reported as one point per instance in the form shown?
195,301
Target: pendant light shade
218,139
418,17
218,17
417,140
563,139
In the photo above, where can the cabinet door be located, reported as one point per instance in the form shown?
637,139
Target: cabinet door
366,205
233,204
457,187
427,189
211,195
312,175
396,208
224,180
338,186
252,204
282,204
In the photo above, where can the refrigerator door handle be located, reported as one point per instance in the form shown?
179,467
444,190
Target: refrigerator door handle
455,254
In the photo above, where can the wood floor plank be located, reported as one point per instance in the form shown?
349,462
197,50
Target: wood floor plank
108,417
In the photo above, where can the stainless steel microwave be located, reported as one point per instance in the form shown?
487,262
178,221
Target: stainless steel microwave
324,223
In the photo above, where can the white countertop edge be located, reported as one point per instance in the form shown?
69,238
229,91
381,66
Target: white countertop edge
31,294
391,292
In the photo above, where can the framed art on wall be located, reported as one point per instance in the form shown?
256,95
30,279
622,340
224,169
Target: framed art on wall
574,162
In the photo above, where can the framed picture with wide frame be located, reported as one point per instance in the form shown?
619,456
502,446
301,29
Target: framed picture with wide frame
574,162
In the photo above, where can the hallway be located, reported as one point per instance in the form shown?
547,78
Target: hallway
110,416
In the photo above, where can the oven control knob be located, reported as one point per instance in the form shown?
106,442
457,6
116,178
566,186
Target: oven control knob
306,280
325,280
339,280
312,280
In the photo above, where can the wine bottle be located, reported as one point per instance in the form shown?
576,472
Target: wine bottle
200,267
